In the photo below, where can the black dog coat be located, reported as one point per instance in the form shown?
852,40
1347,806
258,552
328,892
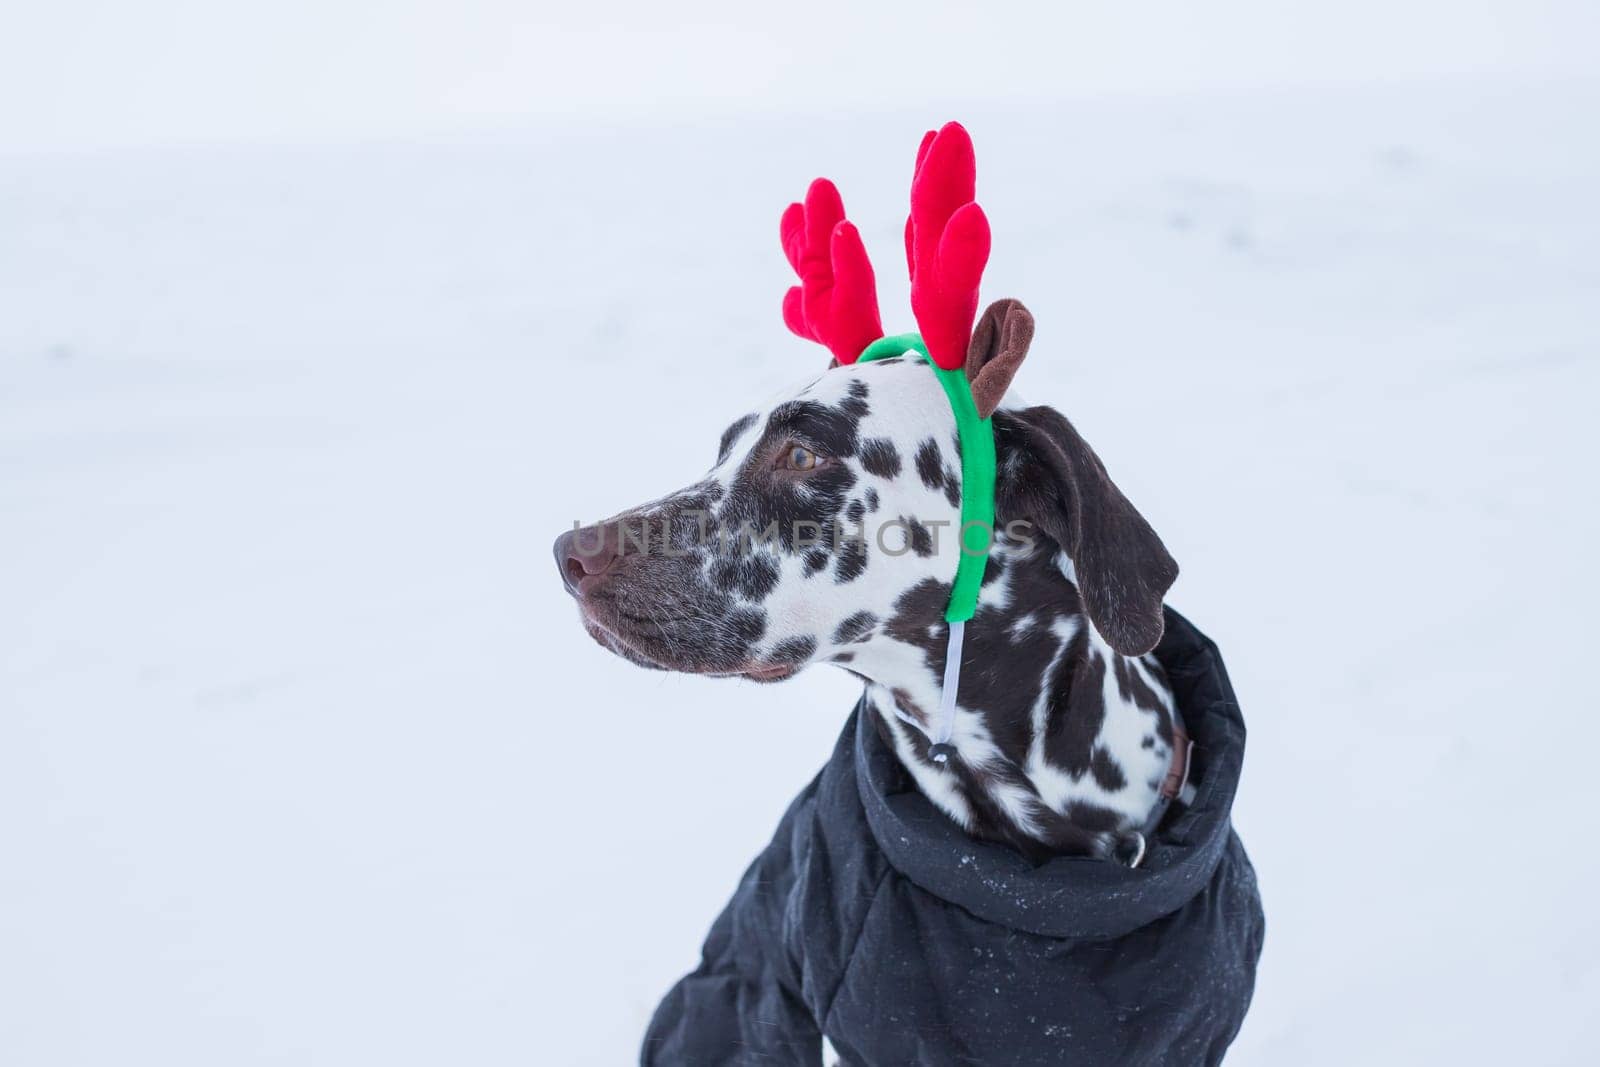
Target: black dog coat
874,919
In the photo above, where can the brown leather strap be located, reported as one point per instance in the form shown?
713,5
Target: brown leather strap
1178,772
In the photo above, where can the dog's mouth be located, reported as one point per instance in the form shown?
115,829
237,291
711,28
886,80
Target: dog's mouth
769,672
616,645
621,634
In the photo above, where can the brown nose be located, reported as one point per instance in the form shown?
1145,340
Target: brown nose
583,556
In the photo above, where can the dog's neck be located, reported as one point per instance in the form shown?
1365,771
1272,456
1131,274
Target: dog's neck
1060,743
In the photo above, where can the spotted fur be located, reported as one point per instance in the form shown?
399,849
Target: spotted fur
1061,741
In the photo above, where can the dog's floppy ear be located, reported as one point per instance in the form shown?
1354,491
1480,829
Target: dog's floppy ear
999,343
1050,476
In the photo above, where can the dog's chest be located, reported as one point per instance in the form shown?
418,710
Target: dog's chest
1093,748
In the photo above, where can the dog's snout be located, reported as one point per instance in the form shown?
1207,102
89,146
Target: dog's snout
586,553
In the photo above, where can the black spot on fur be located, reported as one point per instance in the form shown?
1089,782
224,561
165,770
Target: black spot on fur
732,433
1069,741
1107,771
921,538
880,457
855,628
935,473
758,576
917,609
952,487
751,575
1093,816
855,403
816,559
794,650
856,512
930,464
842,657
852,561
747,625
831,429
872,499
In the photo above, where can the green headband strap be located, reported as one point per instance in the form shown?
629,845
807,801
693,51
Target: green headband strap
977,471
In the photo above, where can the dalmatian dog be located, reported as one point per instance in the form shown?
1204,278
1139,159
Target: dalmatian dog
826,532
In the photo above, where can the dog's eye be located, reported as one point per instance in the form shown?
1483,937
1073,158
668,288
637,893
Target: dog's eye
798,458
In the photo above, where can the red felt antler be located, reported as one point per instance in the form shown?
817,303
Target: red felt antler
836,302
947,243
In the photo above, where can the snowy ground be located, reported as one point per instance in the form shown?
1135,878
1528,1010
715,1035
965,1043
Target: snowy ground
305,760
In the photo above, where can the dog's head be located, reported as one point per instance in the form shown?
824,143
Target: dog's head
832,519
829,524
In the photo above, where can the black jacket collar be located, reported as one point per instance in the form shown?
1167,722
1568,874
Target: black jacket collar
1072,897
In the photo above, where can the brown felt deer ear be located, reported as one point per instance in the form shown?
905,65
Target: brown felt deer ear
999,343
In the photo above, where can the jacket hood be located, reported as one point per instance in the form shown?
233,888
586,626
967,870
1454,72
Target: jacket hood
1073,897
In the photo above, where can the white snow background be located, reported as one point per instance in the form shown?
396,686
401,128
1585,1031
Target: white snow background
304,757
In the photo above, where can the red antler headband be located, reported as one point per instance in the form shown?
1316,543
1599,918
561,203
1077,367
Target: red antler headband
836,303
947,246
947,243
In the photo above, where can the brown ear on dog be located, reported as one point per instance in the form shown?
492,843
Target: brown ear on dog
999,342
1123,569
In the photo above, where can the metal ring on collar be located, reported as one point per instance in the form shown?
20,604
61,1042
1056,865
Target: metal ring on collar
1138,857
